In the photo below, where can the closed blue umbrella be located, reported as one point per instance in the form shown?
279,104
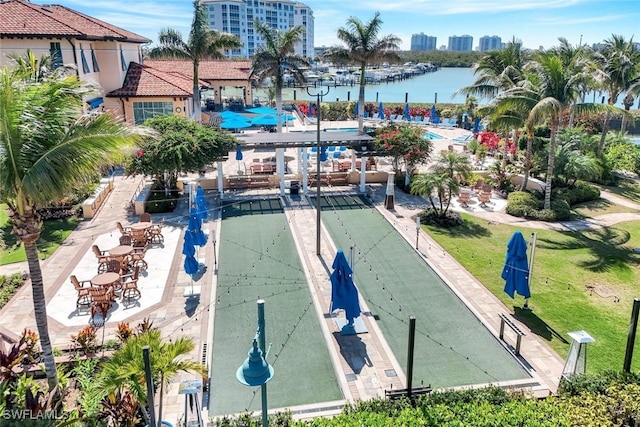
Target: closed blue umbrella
344,294
516,268
381,112
195,228
434,115
201,203
262,110
355,109
407,114
476,124
191,265
312,111
238,152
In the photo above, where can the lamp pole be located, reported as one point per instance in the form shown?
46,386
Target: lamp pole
318,96
255,370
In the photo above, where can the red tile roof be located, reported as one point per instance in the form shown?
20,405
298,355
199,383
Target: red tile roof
21,18
208,70
142,80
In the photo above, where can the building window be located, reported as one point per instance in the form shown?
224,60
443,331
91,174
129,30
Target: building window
56,54
123,63
85,64
146,110
94,61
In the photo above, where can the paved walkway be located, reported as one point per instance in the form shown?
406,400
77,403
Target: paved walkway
177,316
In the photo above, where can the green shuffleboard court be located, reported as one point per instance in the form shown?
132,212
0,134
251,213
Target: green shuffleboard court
258,259
452,346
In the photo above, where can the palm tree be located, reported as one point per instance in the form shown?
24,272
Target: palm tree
549,90
618,71
439,184
498,70
277,57
48,147
124,371
363,46
203,43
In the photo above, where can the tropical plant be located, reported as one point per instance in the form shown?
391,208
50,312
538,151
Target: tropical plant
617,71
178,145
47,147
275,58
363,46
203,43
124,372
406,144
454,165
435,187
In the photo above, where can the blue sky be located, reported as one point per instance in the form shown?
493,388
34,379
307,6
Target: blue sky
535,22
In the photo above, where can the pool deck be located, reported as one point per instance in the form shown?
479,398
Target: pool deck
173,315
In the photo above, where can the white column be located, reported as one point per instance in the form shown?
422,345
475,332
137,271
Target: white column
363,172
280,167
300,154
353,160
220,179
305,170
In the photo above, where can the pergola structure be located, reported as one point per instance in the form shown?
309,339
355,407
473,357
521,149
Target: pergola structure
361,145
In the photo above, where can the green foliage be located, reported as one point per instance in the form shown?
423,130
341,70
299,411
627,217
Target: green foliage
9,285
405,143
623,155
522,204
88,402
443,58
595,383
179,145
160,202
578,193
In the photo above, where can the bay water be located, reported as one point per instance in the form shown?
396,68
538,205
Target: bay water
435,87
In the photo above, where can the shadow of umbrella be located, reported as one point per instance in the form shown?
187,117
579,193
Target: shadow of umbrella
344,294
354,351
516,268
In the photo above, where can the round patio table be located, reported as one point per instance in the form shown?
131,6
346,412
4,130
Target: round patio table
105,279
141,226
121,251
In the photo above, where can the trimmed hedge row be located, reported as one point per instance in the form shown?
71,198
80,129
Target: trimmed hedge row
527,205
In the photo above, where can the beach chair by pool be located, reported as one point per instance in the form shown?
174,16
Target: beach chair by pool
425,121
444,122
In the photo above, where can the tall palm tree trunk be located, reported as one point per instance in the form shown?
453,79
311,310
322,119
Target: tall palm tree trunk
363,82
40,309
603,137
197,111
527,160
550,164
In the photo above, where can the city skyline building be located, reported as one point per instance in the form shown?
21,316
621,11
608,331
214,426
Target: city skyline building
462,43
422,42
237,17
487,43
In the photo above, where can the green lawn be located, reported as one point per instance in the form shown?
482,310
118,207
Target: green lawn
581,280
54,232
628,189
598,207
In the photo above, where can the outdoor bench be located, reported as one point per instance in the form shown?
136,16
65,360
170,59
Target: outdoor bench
504,320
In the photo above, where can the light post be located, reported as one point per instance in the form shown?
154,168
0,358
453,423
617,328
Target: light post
318,96
255,370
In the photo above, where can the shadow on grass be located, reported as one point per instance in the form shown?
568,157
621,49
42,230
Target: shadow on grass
627,189
537,325
606,247
467,229
581,210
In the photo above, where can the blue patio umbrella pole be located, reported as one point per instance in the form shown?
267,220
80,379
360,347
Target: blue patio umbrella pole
407,113
319,96
381,111
256,370
201,203
191,265
238,155
516,268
